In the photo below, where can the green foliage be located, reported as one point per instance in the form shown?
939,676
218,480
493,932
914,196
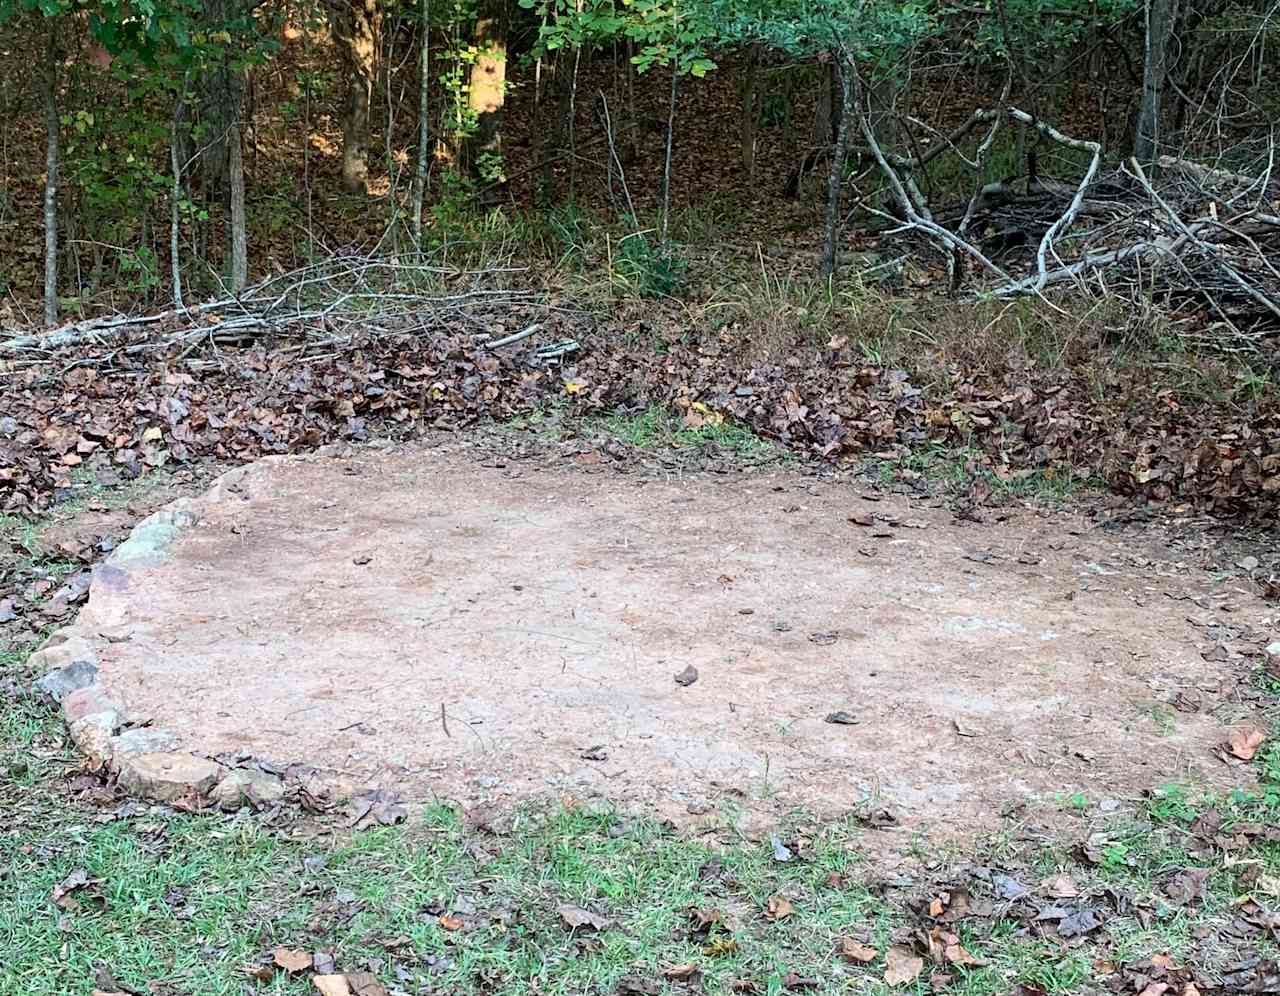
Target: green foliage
646,269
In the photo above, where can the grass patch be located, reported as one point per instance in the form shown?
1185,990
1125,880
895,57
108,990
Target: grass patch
658,427
961,469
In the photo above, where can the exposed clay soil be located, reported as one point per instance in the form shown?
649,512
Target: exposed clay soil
489,633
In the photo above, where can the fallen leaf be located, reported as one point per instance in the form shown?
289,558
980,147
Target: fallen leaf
450,922
1244,742
292,959
720,947
637,985
680,972
778,908
793,982
901,966
1061,887
687,677
851,950
365,984
1187,885
575,917
263,973
957,954
1155,989
62,894
331,985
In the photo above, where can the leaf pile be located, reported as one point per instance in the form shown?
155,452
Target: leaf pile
122,413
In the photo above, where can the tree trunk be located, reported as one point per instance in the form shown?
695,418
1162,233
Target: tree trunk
1159,25
239,237
836,179
486,91
666,163
750,111
357,29
424,124
51,179
175,198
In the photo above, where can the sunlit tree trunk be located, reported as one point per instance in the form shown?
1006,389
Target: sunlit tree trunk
51,179
239,235
357,29
486,90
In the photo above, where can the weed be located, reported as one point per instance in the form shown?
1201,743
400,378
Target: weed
657,426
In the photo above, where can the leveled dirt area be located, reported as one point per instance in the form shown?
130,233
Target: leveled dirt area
423,622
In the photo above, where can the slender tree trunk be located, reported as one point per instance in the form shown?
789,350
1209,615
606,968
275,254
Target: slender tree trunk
424,124
239,237
486,92
357,28
175,209
571,122
1159,25
51,179
836,179
671,130
750,111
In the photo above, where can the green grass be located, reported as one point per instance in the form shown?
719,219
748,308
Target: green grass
659,427
961,468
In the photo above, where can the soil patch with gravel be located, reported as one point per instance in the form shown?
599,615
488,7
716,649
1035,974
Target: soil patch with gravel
419,622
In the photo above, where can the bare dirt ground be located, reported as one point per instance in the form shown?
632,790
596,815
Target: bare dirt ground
419,621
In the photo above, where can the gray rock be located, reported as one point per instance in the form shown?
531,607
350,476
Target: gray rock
247,787
143,740
1273,653
167,777
58,684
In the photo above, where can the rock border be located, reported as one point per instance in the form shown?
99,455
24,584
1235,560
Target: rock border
144,760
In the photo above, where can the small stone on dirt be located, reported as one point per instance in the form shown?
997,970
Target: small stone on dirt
247,787
58,684
167,777
687,677
842,718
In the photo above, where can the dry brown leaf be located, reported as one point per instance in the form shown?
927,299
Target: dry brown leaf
856,951
292,959
779,908
1244,742
956,954
1061,887
450,922
365,984
574,917
331,985
901,966
1155,989
677,972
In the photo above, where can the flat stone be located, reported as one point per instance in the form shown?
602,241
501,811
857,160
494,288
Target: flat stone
87,701
61,682
167,777
72,650
1273,653
93,734
247,787
143,740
